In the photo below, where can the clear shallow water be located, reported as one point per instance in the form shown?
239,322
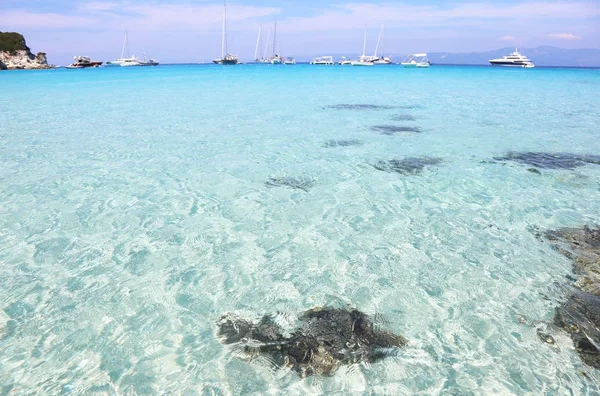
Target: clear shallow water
134,212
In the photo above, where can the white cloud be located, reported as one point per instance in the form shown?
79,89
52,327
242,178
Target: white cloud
564,36
507,38
356,15
108,15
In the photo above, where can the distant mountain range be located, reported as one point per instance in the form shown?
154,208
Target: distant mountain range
541,56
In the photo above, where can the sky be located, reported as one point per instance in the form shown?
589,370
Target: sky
176,31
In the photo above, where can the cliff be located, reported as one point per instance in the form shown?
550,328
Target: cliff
15,54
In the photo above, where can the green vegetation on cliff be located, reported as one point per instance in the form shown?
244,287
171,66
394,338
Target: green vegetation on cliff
12,42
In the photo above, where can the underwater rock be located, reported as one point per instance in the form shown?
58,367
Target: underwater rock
343,143
580,317
407,166
359,107
297,183
550,160
582,246
392,129
580,314
325,339
403,117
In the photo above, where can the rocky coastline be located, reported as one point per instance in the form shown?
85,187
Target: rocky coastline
14,54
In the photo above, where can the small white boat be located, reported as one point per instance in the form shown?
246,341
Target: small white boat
290,61
323,60
344,61
416,60
513,60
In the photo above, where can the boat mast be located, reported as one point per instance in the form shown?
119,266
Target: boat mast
224,35
125,45
267,46
382,40
378,41
365,43
274,38
257,43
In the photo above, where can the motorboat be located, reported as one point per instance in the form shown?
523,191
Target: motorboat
323,60
344,61
289,61
276,60
416,60
513,60
149,62
382,61
226,58
83,62
132,61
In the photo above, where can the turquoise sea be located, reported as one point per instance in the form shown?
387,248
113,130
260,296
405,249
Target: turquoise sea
138,205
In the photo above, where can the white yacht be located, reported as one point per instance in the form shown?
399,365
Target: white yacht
416,60
515,60
289,61
130,60
344,61
323,60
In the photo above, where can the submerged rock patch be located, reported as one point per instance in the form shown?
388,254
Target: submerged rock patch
403,117
296,182
324,339
550,160
392,129
342,143
407,166
359,107
580,314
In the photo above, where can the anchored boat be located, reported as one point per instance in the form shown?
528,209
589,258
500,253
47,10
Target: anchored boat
416,60
83,62
226,58
513,60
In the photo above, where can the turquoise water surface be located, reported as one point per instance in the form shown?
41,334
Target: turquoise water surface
134,212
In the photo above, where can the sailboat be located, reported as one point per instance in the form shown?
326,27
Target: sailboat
226,58
276,58
122,61
363,60
380,59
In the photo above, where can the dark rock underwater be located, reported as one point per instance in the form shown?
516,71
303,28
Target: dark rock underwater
579,315
324,339
550,160
408,165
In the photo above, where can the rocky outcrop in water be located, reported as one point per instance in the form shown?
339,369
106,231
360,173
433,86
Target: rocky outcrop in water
295,182
393,129
408,165
550,160
580,314
14,54
325,339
